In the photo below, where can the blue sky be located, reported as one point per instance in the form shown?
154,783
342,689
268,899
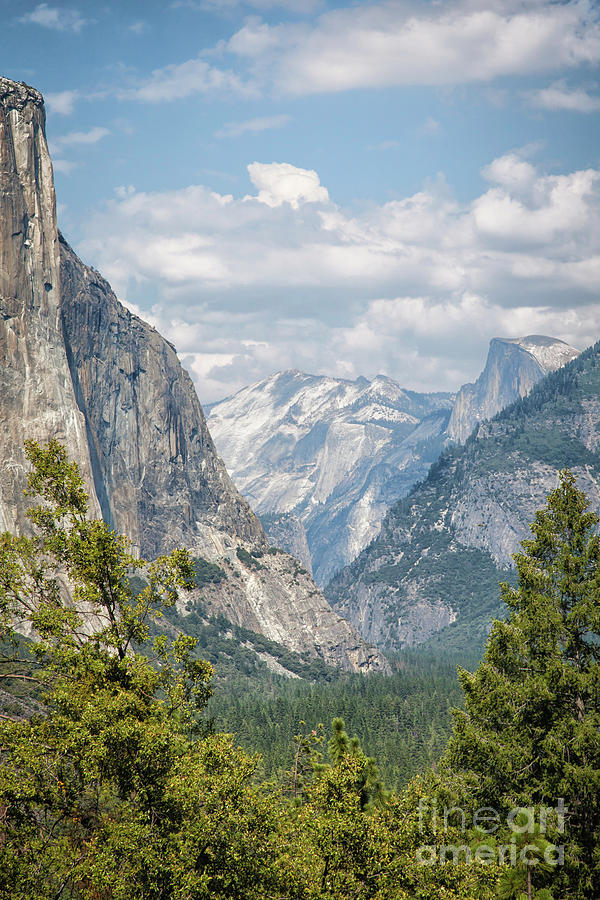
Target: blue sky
378,187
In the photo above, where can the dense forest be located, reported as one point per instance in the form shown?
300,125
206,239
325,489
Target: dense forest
117,781
403,720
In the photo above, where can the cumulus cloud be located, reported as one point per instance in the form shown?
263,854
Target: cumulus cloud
297,6
382,44
62,103
510,171
438,336
559,97
279,183
414,287
56,18
252,126
450,42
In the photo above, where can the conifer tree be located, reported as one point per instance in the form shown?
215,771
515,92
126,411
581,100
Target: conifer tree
530,733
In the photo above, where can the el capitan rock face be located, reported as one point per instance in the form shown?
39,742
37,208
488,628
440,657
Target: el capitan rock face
76,365
36,394
161,477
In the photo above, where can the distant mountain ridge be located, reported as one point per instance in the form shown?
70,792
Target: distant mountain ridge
333,455
435,565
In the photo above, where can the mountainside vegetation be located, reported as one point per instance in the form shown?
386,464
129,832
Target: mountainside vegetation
403,720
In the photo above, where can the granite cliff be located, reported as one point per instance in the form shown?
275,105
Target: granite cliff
78,366
512,368
36,393
441,551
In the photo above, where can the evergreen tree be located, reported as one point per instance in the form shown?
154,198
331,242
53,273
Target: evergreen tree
530,733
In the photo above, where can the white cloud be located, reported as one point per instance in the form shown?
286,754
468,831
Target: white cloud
63,166
74,138
62,103
297,6
430,127
195,76
138,27
252,126
279,183
553,218
414,287
56,18
381,44
447,43
510,171
558,96
435,333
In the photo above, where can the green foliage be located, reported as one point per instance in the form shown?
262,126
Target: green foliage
104,793
249,559
107,789
403,720
531,728
206,572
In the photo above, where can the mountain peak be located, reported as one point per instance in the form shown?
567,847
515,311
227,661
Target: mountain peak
512,368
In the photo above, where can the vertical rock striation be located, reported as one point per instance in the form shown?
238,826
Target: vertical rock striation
159,474
37,398
512,368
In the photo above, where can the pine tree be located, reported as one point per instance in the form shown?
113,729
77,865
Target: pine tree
530,733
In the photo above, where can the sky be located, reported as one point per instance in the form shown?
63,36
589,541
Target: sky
377,187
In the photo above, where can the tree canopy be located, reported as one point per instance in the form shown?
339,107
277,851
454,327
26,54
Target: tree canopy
112,786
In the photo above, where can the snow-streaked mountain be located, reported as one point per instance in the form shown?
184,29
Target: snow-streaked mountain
513,366
333,452
333,455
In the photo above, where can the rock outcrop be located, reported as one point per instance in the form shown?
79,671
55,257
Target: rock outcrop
512,368
337,454
36,393
287,532
159,476
78,366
